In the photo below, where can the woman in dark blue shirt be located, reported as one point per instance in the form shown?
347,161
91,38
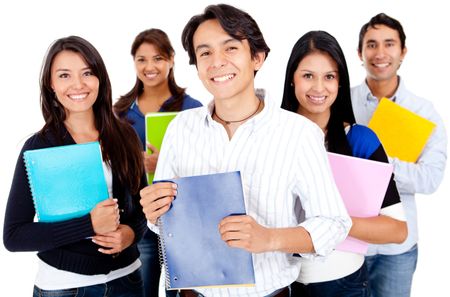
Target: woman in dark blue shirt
155,90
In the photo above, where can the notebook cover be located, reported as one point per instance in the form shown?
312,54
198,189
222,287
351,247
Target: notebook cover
362,184
65,181
402,132
155,127
193,252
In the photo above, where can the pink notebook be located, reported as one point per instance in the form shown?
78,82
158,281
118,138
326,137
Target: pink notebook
362,184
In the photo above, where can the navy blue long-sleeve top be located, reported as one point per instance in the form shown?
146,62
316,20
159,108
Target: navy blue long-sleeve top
65,245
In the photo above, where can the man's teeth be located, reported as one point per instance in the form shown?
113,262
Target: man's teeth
223,78
382,65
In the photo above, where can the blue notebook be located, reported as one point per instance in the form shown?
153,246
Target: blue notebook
65,181
193,253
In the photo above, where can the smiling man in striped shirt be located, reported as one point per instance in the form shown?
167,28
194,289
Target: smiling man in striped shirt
280,155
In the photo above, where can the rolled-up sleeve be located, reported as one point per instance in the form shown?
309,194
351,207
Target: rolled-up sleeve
325,216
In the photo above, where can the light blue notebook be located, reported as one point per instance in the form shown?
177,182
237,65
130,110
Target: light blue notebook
193,253
66,181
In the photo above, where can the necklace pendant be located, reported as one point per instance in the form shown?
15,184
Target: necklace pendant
227,123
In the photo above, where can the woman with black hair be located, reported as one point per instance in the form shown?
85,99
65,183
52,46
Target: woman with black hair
317,86
95,254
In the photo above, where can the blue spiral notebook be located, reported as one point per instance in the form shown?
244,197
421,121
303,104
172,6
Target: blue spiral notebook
65,181
193,253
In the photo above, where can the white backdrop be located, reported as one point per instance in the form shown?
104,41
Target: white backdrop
28,27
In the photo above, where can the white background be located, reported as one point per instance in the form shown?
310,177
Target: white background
28,27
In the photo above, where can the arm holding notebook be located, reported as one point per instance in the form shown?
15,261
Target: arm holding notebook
245,233
426,174
156,200
21,232
105,216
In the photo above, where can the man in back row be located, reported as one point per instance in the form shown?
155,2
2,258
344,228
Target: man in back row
280,155
382,49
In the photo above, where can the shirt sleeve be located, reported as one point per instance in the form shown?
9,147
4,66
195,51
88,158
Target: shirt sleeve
427,173
326,218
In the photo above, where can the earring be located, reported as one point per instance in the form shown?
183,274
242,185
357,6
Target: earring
292,84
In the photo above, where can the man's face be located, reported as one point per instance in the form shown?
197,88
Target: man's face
381,53
224,64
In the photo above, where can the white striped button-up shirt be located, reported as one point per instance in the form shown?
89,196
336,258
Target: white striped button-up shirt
283,162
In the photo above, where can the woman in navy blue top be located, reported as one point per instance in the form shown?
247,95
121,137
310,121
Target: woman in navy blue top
95,254
317,86
155,90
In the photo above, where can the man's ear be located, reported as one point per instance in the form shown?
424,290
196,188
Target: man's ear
404,51
259,60
359,54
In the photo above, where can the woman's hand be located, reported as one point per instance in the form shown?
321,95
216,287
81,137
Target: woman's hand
150,160
105,216
115,241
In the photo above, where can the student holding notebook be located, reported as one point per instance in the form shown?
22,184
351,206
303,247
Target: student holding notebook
382,49
317,86
155,90
95,254
280,156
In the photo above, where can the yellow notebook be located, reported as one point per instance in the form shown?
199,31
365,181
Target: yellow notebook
402,132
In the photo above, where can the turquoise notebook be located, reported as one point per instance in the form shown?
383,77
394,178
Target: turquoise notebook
193,253
65,181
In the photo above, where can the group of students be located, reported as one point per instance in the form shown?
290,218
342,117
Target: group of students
292,203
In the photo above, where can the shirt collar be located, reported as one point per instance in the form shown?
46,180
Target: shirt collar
398,93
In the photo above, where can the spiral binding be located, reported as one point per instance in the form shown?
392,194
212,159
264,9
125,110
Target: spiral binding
162,253
27,159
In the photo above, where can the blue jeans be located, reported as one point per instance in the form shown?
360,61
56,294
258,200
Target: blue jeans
151,269
391,275
126,286
353,285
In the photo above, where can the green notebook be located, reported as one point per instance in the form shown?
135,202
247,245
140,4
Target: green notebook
155,127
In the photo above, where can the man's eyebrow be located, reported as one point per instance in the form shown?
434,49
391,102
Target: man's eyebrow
229,40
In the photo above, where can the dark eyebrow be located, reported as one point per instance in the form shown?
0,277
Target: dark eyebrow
64,69
202,46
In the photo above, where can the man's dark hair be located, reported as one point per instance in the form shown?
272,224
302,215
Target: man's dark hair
382,19
237,23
